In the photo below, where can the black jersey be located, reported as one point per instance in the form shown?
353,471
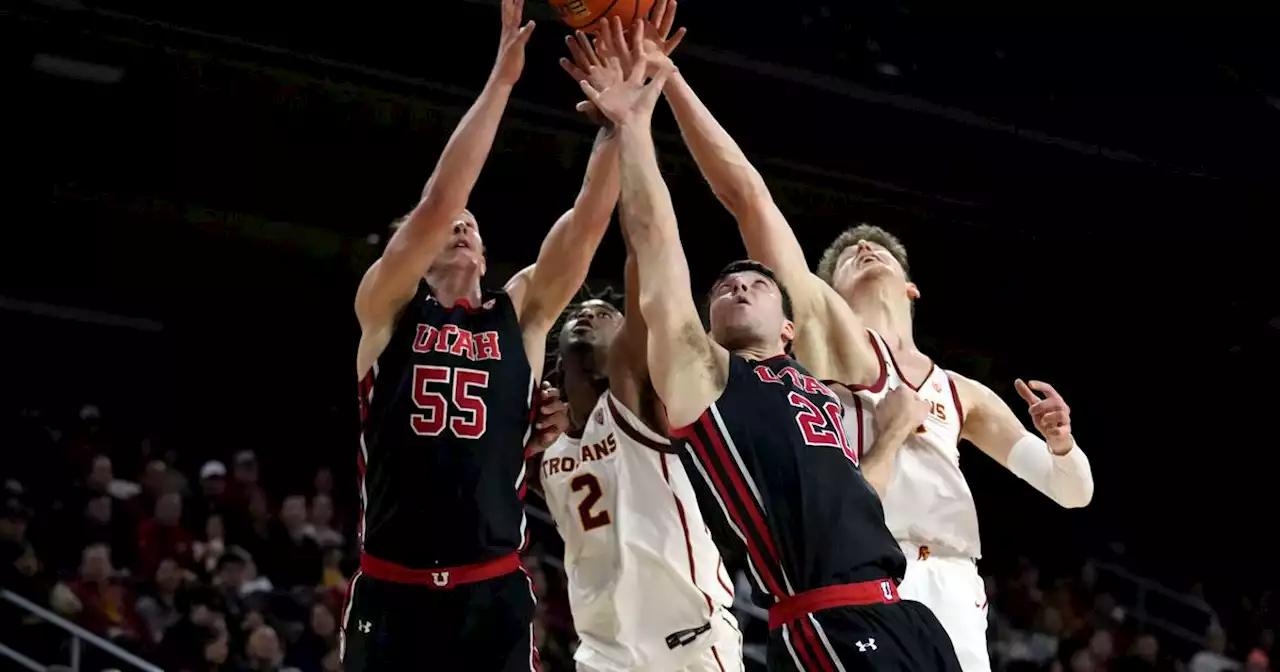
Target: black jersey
445,416
774,460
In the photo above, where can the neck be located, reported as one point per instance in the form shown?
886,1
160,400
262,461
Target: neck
886,315
583,387
452,284
759,352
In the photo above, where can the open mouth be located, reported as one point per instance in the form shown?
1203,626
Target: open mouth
868,259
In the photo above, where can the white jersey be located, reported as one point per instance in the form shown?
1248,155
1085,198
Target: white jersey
640,560
928,501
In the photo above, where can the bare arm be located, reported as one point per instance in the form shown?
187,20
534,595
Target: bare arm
688,369
628,354
1064,475
541,292
877,465
829,337
391,282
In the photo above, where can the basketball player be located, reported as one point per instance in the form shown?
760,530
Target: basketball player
647,588
446,375
929,506
764,436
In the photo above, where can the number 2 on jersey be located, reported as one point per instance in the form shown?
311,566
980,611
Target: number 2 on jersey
469,414
590,520
822,428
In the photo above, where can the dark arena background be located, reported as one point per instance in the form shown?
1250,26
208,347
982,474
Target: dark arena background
1089,192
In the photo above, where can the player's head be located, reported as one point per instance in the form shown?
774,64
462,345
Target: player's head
749,308
867,256
589,325
464,249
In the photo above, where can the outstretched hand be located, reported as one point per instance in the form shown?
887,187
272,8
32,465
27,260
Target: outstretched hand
659,42
630,98
510,61
1050,415
588,64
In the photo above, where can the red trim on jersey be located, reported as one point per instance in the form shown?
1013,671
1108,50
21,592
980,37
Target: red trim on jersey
720,572
634,433
730,498
884,370
439,578
717,657
955,395
688,540
857,411
882,591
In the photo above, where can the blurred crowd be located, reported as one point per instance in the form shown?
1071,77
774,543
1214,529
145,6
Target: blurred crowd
204,566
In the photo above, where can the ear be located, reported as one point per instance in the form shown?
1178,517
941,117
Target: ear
788,331
913,292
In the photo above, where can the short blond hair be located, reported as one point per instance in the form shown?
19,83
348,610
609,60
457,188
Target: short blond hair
870,233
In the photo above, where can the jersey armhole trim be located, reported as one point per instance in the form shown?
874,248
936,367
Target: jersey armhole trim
875,387
636,430
955,396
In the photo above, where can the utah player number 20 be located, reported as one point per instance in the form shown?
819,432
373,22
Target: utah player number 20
434,387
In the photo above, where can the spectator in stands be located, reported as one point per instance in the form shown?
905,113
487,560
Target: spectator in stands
213,497
159,609
1214,657
294,556
319,638
207,551
103,603
320,526
104,521
184,644
162,536
263,652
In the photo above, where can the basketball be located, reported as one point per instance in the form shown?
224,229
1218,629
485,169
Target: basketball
587,14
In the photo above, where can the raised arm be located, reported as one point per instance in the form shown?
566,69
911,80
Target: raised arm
540,292
687,368
1054,465
391,282
829,337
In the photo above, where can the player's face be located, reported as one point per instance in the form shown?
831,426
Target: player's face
746,311
864,263
591,323
465,248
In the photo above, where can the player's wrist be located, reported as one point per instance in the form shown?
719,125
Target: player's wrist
1059,447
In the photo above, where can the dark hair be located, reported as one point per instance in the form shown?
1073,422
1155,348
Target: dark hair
748,265
551,369
859,233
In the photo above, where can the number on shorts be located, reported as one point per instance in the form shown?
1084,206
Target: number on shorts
822,428
469,415
590,520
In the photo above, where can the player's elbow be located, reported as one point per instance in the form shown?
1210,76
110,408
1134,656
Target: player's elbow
1076,497
743,190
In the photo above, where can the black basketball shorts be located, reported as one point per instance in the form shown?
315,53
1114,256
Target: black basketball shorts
485,626
882,635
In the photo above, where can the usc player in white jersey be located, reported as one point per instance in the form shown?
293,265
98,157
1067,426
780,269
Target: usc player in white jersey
928,504
647,587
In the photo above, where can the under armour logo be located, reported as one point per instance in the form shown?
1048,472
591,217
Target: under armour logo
870,644
440,578
364,626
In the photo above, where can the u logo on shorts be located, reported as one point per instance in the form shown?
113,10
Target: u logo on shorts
440,578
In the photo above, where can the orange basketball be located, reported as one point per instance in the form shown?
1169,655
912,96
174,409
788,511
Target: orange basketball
587,14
